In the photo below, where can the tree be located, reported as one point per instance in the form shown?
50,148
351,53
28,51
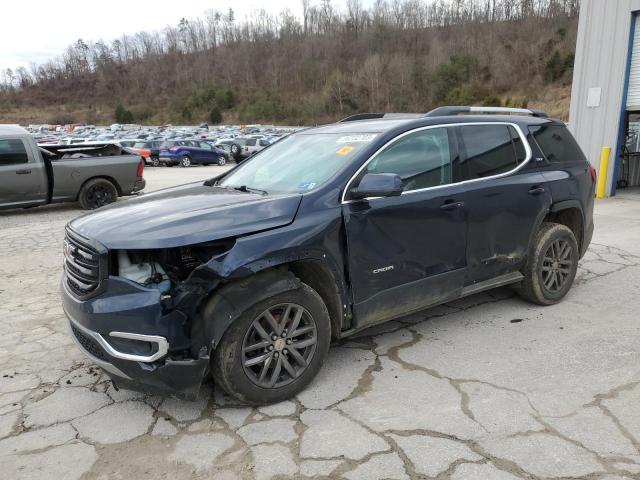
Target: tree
215,116
123,115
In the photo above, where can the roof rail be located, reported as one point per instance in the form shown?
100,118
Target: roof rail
361,116
444,111
371,116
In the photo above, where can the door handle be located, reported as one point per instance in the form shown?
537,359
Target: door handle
536,190
447,207
23,172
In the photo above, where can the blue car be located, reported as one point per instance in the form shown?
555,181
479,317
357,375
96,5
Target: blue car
193,152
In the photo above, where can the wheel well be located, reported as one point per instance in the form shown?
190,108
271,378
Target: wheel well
571,218
322,280
103,177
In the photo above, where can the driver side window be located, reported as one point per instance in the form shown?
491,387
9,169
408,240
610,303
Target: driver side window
13,152
422,159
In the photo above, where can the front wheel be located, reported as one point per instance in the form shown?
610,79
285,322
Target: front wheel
155,162
185,161
551,266
97,193
222,160
275,348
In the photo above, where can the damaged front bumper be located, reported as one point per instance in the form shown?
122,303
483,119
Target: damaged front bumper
125,331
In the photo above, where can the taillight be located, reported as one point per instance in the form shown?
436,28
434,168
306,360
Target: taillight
594,174
140,168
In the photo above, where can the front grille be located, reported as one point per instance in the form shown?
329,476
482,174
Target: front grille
89,344
82,266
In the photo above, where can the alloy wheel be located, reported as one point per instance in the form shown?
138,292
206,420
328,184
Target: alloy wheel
557,265
99,195
279,345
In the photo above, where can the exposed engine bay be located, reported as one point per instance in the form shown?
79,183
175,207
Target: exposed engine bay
165,269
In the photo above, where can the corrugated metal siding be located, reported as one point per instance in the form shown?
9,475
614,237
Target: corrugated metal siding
601,61
633,93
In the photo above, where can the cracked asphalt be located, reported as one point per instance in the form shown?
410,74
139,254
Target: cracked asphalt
489,387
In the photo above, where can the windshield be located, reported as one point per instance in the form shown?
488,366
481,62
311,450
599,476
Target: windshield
297,163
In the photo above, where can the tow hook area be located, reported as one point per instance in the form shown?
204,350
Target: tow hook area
182,378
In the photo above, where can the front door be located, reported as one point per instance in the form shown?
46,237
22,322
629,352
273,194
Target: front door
407,252
22,179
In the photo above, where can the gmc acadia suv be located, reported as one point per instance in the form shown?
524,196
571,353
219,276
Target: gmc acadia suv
250,275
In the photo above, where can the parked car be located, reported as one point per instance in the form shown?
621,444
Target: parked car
331,230
32,176
149,150
243,147
192,152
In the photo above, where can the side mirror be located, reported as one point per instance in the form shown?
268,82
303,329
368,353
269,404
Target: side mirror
378,185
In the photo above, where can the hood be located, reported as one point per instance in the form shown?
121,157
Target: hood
185,215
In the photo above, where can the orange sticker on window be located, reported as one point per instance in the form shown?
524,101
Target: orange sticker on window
345,151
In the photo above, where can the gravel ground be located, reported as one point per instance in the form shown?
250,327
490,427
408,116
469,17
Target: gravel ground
489,387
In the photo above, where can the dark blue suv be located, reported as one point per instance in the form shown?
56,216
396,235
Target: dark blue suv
249,276
192,152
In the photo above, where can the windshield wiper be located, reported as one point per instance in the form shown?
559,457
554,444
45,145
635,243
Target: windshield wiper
245,189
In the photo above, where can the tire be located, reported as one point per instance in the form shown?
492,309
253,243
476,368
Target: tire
228,363
185,161
97,193
155,162
235,149
551,265
222,161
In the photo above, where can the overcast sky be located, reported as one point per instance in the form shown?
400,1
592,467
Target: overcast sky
36,30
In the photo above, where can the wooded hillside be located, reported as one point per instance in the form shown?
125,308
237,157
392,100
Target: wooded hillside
398,55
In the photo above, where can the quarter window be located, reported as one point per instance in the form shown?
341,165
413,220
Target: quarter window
557,144
12,152
490,150
422,159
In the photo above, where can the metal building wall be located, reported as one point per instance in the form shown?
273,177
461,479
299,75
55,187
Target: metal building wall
601,62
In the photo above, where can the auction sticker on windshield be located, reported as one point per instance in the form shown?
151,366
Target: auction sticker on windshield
345,150
364,137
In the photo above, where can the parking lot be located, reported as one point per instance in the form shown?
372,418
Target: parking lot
488,387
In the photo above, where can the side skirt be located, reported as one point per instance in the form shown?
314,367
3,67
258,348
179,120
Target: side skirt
500,281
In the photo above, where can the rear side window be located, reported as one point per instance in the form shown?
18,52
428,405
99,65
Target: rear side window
251,142
557,144
490,150
12,152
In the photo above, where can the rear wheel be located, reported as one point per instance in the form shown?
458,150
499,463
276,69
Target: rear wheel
97,193
185,161
222,160
274,349
155,162
551,266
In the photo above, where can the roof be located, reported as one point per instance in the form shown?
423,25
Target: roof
12,130
386,124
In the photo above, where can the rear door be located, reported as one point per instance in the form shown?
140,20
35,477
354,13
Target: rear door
23,178
506,195
207,153
407,252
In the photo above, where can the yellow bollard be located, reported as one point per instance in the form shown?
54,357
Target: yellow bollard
601,192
